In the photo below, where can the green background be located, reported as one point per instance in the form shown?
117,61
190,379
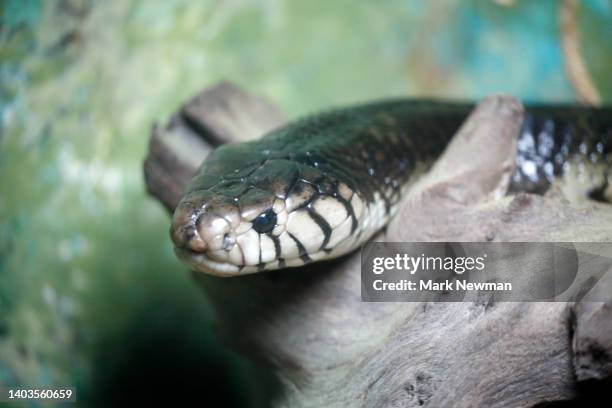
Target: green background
90,292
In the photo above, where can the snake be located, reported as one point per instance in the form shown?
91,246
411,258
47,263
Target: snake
319,187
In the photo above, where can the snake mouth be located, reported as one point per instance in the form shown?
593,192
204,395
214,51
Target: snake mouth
200,262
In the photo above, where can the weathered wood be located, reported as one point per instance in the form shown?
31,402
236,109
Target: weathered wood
592,341
174,154
226,114
330,349
221,114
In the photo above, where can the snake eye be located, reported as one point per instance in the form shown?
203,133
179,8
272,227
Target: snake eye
265,222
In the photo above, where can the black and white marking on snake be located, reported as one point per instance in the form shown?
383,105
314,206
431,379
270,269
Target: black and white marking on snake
319,187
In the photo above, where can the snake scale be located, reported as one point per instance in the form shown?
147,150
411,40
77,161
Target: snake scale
319,187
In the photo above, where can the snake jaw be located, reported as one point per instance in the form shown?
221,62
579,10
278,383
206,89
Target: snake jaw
200,262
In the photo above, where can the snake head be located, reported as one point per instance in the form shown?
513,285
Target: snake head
250,209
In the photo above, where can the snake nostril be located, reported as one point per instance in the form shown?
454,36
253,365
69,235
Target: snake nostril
184,233
228,242
188,238
194,242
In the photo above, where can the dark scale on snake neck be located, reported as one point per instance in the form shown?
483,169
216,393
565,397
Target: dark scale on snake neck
554,139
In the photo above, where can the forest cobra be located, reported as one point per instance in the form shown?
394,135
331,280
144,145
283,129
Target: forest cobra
319,187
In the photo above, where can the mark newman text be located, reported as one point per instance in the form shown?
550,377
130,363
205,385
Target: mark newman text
446,286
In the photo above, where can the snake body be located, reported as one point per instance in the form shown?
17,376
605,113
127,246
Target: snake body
319,187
